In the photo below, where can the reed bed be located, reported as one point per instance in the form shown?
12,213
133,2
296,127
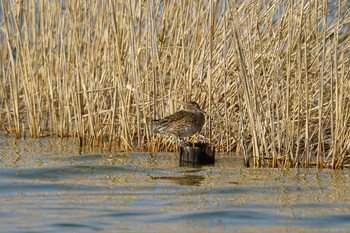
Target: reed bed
273,76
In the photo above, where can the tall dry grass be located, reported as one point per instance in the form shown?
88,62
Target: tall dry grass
272,75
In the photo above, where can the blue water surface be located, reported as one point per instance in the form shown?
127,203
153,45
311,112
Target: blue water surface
52,185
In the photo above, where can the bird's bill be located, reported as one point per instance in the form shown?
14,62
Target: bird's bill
200,110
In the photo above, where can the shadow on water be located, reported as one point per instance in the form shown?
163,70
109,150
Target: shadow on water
47,184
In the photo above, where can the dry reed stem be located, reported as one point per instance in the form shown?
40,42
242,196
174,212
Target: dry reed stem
273,76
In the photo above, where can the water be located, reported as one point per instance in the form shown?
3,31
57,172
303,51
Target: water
50,185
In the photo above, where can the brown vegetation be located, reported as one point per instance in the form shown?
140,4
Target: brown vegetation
273,76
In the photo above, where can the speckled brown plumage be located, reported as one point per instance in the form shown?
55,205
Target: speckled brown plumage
183,123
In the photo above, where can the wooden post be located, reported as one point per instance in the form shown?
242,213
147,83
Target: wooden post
200,153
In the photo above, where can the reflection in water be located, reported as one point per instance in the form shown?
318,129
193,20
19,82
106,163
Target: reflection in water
47,184
194,180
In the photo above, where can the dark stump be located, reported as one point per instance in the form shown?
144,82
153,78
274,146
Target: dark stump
200,153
